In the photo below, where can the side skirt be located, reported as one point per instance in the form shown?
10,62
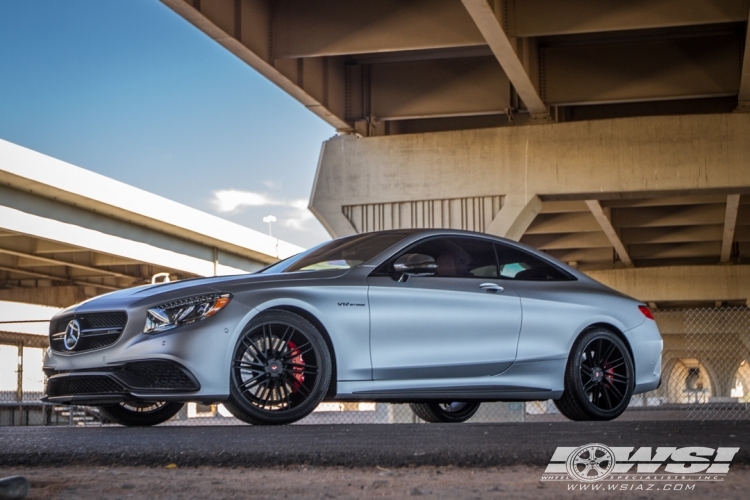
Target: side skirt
482,393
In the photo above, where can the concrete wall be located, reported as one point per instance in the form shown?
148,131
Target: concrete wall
628,157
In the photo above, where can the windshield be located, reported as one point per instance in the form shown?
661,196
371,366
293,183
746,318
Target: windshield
345,253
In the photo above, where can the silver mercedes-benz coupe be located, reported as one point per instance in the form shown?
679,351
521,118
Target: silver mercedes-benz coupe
440,319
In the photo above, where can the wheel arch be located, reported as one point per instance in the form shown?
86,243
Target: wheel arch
299,311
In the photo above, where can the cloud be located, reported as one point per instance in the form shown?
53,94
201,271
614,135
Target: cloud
300,205
293,214
229,200
302,216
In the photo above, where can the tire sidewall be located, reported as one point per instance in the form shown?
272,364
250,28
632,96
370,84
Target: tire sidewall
459,416
124,416
433,413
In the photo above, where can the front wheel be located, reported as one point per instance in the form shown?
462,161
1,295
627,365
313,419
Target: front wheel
135,414
280,371
454,412
599,378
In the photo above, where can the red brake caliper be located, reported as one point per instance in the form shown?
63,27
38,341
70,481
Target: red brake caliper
609,374
297,371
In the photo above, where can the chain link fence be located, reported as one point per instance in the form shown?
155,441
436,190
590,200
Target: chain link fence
705,376
705,362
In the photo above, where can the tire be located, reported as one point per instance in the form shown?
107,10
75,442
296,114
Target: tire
455,412
281,370
599,378
140,414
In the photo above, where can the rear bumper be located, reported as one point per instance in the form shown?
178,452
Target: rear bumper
647,345
142,380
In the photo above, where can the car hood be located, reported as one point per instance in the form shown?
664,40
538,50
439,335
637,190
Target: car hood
169,291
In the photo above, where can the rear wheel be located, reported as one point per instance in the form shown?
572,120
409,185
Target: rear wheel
280,371
135,414
599,378
454,412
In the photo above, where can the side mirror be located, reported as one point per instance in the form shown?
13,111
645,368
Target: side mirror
415,264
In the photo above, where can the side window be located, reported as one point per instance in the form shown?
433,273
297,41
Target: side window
519,265
460,257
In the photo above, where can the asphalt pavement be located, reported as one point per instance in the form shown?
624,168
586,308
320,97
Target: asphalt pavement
394,445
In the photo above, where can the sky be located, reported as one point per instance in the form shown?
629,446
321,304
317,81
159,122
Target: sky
130,90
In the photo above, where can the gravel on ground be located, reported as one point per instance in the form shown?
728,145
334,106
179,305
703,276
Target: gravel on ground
170,481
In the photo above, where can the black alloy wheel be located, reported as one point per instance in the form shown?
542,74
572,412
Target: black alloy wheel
599,378
140,414
280,371
453,412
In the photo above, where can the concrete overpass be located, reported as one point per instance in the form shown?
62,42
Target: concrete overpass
613,135
609,134
68,234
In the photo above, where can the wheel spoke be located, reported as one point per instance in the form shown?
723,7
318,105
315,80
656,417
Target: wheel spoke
305,372
258,354
299,351
287,394
589,385
610,350
248,365
268,336
597,395
616,364
297,385
266,396
251,349
285,338
617,392
300,368
587,370
248,384
304,390
276,391
598,359
605,390
616,377
588,360
300,365
610,362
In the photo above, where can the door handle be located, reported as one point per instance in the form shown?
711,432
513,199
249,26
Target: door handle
491,287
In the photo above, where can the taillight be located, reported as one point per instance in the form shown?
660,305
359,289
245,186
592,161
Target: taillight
646,312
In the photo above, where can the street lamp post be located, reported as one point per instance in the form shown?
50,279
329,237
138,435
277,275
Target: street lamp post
269,219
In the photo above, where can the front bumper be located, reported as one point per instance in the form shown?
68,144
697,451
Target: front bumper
141,380
202,349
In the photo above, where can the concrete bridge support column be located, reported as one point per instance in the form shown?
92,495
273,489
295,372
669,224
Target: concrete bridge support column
723,371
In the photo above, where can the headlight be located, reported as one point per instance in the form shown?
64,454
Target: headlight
184,311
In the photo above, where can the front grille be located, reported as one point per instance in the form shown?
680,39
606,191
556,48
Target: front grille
72,386
97,330
160,375
100,320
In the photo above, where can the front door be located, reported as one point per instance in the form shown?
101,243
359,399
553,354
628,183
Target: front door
462,322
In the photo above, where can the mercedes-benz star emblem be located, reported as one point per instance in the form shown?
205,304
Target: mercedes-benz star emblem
72,334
